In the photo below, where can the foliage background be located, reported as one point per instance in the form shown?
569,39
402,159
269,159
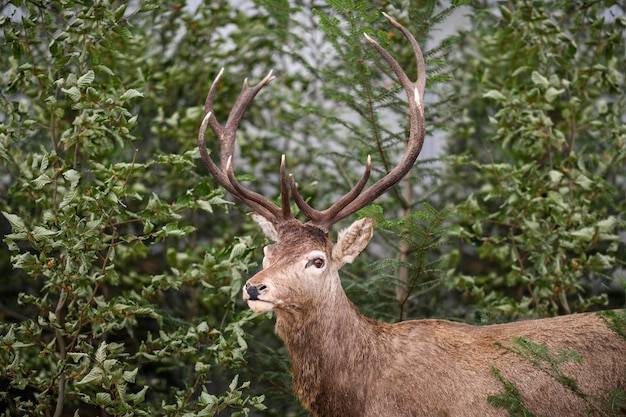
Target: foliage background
123,261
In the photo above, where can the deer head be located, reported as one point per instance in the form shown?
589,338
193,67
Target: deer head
305,247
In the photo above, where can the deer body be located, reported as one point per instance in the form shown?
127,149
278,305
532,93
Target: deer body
345,364
441,368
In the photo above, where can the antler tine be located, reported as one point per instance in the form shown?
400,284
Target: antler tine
420,83
226,137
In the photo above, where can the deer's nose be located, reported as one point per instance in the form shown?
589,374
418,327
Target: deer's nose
255,290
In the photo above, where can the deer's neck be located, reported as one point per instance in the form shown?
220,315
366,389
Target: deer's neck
329,348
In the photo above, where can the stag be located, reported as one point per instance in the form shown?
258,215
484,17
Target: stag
345,364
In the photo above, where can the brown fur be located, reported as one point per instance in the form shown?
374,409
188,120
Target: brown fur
345,364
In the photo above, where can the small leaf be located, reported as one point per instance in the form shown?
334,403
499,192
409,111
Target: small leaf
204,205
234,382
553,93
73,92
586,233
584,182
139,397
130,376
147,7
607,225
130,93
72,176
539,79
17,224
95,375
494,94
101,352
119,12
86,79
202,368
104,399
555,177
532,225
40,232
41,181
76,356
238,249
203,327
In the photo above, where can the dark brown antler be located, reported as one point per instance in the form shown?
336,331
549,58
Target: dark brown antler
356,198
226,136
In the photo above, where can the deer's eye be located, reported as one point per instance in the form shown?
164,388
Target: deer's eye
316,262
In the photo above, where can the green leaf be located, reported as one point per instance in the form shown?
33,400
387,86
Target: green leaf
76,356
494,94
73,92
148,7
130,376
553,93
86,79
539,80
138,397
17,224
234,383
41,181
72,176
119,12
104,399
130,94
555,177
586,233
238,250
94,376
607,225
40,233
101,353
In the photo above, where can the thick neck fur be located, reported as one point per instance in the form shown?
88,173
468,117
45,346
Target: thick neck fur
324,361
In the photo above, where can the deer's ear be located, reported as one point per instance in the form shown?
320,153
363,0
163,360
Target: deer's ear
353,240
268,227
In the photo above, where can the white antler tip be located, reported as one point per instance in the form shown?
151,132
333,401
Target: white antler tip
391,19
206,117
418,99
229,163
370,40
270,76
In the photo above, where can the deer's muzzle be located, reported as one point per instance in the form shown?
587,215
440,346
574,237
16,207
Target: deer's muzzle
253,291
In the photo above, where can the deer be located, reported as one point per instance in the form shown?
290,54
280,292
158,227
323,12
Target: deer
346,364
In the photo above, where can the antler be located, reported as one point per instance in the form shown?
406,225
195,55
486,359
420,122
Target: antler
356,198
226,136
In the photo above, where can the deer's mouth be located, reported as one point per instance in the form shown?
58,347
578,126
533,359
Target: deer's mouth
260,306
